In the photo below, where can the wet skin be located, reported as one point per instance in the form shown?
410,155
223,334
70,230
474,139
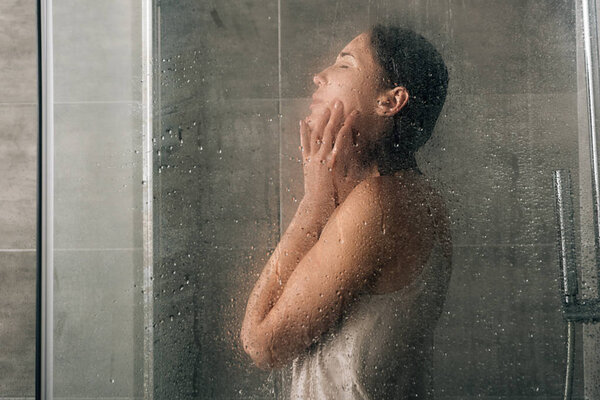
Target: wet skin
354,231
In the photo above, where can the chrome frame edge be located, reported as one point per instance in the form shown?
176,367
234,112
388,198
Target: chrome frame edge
147,123
47,202
591,110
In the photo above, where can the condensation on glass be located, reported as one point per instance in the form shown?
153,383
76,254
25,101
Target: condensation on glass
231,81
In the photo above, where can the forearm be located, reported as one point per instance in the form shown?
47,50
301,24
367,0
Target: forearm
300,236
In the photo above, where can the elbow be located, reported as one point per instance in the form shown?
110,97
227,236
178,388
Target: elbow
262,360
258,349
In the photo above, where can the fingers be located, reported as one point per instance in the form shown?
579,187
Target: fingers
337,120
344,138
333,125
322,136
318,129
304,138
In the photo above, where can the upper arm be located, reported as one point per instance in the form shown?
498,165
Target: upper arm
345,258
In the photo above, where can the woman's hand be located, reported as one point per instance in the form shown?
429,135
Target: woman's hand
318,157
348,159
333,163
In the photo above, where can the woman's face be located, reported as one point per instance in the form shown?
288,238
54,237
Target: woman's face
354,79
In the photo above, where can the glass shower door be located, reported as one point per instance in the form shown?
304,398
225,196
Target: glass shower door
96,335
233,81
154,240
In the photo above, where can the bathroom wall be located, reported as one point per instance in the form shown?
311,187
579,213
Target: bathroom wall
18,179
227,180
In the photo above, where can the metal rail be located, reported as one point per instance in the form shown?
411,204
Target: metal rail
574,310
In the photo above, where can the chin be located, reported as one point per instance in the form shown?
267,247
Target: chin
315,110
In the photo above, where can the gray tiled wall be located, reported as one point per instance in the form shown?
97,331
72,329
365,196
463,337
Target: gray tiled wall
18,180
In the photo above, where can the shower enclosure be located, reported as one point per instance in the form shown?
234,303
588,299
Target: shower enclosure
170,167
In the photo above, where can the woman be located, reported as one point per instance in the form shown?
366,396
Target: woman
354,289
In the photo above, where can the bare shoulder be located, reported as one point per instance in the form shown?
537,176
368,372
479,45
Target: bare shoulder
408,202
412,208
401,192
409,216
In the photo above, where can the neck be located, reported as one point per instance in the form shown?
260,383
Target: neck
390,167
345,184
373,168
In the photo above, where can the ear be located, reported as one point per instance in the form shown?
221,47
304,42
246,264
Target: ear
392,101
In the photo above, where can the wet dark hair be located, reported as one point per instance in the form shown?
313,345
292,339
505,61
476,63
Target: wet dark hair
407,59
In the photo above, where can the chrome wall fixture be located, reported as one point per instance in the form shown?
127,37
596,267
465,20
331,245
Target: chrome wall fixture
574,310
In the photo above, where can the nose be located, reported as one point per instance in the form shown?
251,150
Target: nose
318,79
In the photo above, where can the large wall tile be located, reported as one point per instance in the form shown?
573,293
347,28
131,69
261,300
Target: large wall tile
98,176
502,331
18,51
17,324
18,224
98,317
494,156
209,294
216,212
216,189
18,198
18,176
97,51
214,51
491,48
222,175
